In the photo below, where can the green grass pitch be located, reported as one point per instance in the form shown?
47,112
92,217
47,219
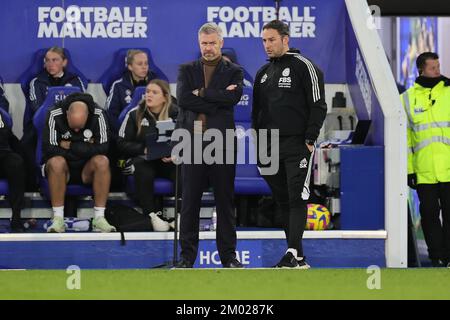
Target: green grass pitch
227,284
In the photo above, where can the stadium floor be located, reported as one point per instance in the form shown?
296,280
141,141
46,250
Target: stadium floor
227,284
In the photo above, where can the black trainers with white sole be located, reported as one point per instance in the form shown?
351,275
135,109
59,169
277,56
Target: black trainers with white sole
288,262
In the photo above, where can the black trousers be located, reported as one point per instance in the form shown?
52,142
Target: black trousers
12,168
434,199
195,178
290,188
144,176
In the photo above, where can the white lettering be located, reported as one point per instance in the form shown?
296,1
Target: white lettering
246,22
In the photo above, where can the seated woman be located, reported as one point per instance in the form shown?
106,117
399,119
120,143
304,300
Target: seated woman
137,74
54,74
138,123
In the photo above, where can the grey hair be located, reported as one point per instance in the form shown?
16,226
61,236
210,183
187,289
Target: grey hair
209,28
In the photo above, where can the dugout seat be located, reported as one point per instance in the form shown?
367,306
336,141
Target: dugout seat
118,67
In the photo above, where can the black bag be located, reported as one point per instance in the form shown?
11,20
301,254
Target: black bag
127,219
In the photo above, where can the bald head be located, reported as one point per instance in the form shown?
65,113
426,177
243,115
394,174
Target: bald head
77,115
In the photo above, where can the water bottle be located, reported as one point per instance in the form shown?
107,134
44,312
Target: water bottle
214,220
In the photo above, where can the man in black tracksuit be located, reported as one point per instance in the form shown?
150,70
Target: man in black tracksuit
289,97
75,141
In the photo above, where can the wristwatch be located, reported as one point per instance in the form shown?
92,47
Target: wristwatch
310,142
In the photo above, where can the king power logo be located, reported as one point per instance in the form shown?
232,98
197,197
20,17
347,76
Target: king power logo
92,22
247,22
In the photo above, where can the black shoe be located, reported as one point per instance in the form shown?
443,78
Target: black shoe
438,263
288,261
17,226
303,264
183,264
233,263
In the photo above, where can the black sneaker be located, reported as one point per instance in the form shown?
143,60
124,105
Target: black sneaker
288,261
233,263
302,263
17,226
438,263
183,264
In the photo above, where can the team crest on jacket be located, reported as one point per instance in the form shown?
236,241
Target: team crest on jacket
303,164
87,134
285,81
264,78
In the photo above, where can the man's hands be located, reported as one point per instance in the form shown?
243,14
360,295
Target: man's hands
167,159
229,88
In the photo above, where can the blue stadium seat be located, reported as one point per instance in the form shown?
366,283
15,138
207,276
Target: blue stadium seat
248,181
54,95
161,186
37,65
119,65
231,53
7,120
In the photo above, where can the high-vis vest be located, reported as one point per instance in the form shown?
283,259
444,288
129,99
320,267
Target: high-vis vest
428,112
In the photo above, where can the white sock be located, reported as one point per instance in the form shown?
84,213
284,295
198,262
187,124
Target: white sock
293,251
58,212
99,212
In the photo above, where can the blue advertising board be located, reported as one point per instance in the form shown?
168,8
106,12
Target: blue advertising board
92,30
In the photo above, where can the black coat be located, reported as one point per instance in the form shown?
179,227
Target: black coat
217,103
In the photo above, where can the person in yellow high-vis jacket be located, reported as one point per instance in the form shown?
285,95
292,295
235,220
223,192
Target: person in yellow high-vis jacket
427,106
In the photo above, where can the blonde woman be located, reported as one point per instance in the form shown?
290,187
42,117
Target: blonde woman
137,74
138,123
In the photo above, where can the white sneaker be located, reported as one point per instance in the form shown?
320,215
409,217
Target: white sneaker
158,223
100,224
57,225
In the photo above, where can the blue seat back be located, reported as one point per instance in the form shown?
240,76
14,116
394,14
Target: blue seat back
54,95
243,110
138,95
246,152
119,66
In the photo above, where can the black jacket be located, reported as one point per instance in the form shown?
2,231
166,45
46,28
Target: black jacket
129,143
39,89
4,104
8,141
289,95
217,103
121,94
57,129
